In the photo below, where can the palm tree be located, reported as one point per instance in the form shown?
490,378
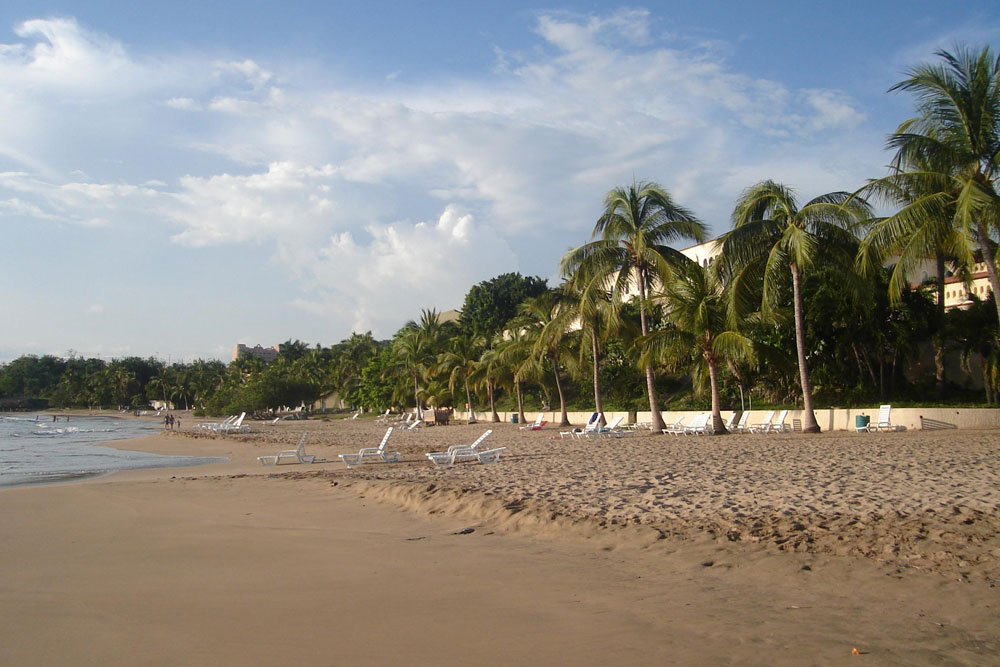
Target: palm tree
951,150
770,235
459,362
631,249
546,319
514,353
912,235
698,332
410,356
485,374
596,317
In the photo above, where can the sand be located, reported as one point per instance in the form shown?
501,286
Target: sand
776,550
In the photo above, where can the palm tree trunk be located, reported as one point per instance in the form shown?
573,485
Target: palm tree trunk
468,400
809,424
598,400
562,398
718,426
520,401
493,405
416,397
938,337
656,419
991,266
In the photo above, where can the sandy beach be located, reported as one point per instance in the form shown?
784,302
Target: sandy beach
751,549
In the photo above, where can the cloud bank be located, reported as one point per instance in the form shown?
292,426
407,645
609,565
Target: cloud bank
378,198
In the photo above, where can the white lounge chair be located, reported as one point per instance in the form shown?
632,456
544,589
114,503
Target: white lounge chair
366,453
609,431
676,428
384,417
536,425
698,425
883,423
236,426
590,426
215,426
741,425
778,424
765,425
458,452
729,424
297,455
447,459
490,455
469,451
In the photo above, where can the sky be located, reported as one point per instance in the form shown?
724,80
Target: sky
176,178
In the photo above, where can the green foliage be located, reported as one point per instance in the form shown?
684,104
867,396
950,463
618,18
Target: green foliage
375,389
492,303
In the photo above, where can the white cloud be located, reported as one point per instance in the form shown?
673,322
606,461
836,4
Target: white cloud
382,280
502,173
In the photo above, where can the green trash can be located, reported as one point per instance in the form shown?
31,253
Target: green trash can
513,419
861,422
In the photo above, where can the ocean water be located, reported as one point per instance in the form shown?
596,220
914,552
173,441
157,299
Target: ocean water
38,450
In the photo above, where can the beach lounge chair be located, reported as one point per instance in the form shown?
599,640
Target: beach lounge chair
469,451
458,452
215,426
698,425
765,425
778,425
730,422
590,426
384,417
612,430
235,426
368,453
447,459
297,455
490,455
741,425
536,425
676,428
883,423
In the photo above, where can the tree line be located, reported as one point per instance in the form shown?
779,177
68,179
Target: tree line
804,302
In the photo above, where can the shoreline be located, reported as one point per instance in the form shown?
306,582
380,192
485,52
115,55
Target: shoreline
232,561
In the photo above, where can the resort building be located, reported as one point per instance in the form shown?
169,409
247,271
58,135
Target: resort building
268,354
956,293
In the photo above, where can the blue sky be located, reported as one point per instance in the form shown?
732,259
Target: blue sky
180,177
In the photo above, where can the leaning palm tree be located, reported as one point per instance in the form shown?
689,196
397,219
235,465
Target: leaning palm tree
596,317
546,321
485,375
518,362
772,235
951,150
459,363
698,333
630,249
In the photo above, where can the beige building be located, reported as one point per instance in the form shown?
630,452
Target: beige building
268,354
